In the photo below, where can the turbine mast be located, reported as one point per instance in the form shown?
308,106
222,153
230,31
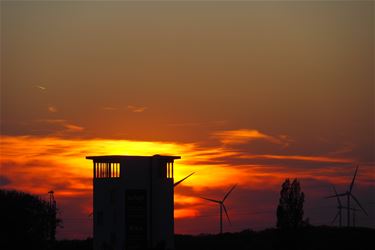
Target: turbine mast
348,197
221,218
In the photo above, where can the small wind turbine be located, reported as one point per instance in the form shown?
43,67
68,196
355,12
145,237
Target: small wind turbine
175,184
349,195
222,206
339,207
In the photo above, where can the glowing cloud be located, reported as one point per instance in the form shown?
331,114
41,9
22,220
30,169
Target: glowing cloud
52,109
73,128
108,108
136,109
41,87
62,126
240,136
302,158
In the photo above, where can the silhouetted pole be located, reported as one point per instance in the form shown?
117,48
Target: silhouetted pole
348,210
354,218
340,219
52,213
221,218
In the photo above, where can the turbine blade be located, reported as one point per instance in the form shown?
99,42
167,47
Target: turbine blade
183,179
334,219
352,184
332,196
210,200
229,192
337,196
226,213
351,209
359,204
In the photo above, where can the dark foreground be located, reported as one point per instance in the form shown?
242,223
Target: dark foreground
310,238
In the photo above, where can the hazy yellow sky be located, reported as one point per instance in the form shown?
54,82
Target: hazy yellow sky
263,88
283,67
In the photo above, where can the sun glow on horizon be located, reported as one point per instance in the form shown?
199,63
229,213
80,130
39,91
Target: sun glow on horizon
55,157
39,164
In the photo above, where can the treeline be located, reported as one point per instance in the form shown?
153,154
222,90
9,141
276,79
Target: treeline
29,222
307,238
73,244
26,221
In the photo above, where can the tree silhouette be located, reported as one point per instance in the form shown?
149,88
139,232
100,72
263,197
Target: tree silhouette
25,221
290,208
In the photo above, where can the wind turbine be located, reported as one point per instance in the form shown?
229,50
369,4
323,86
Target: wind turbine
349,196
175,184
339,207
339,212
222,206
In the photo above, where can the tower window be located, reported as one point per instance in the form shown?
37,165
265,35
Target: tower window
169,170
106,170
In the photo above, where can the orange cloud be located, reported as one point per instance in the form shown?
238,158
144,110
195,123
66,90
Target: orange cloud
73,128
301,158
185,213
52,121
62,125
40,87
52,109
240,136
108,108
136,109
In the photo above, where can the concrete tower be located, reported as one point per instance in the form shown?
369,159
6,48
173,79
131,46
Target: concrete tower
133,202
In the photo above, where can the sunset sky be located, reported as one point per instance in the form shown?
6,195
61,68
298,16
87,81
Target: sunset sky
247,92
